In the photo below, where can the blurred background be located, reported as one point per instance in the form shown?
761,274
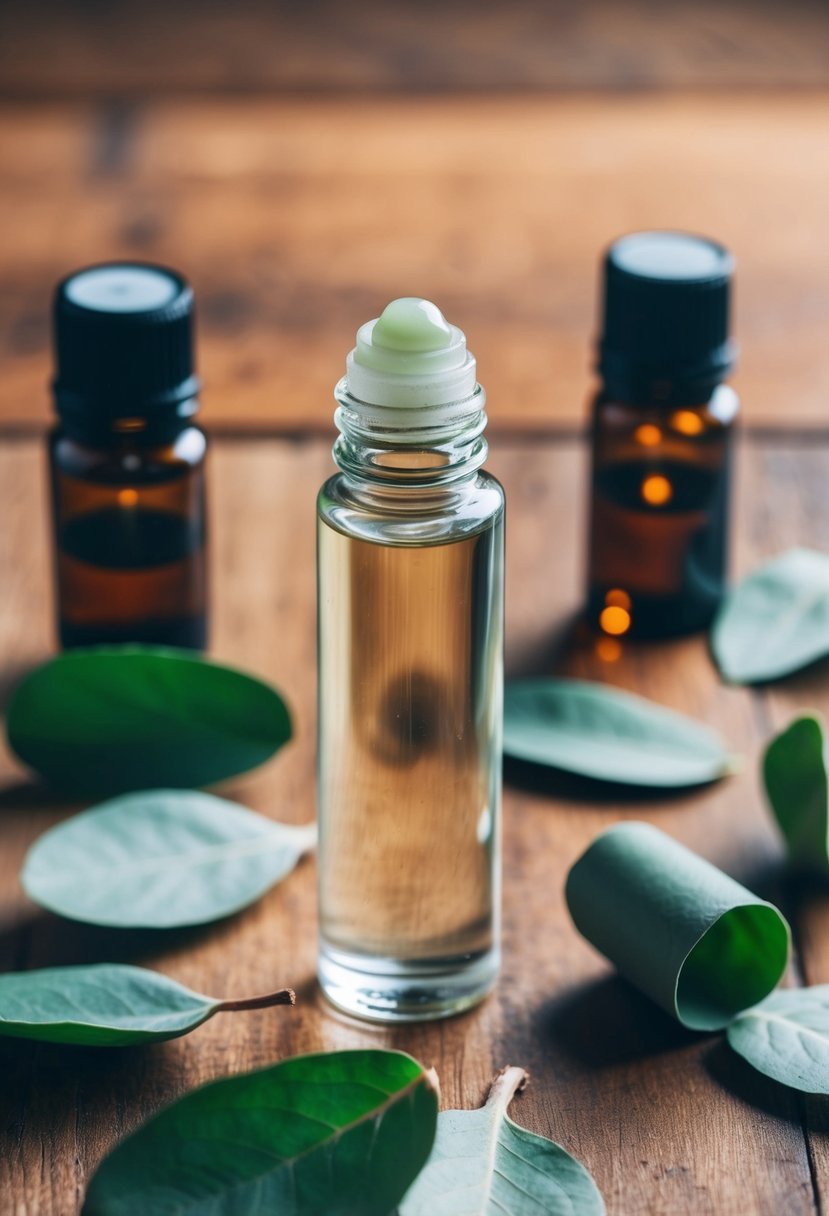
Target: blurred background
303,162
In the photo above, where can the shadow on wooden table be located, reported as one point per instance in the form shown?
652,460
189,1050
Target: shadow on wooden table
45,940
748,1085
34,795
45,1083
607,1022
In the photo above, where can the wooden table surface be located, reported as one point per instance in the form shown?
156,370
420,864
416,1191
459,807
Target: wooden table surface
301,179
668,1121
298,219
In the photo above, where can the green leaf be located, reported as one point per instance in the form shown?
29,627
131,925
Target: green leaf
787,1038
483,1164
112,719
602,733
794,771
776,620
340,1134
108,1005
160,859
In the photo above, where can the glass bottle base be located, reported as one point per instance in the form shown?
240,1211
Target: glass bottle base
390,990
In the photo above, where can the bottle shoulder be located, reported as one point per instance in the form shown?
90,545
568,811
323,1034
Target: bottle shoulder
125,459
718,411
413,518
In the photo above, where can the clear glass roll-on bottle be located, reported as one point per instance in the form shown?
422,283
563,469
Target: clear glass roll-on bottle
410,579
127,460
662,433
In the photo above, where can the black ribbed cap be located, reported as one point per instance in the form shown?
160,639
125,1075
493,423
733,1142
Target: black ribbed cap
124,343
666,316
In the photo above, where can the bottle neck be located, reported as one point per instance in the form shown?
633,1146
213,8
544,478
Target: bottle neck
381,456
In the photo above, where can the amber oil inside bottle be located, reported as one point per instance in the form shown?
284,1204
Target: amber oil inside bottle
129,521
659,504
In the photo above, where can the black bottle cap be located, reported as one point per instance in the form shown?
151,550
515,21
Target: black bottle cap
666,317
124,343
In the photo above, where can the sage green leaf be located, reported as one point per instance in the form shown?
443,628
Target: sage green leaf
787,1038
112,719
599,732
483,1164
339,1134
108,1005
776,620
795,775
160,859
692,939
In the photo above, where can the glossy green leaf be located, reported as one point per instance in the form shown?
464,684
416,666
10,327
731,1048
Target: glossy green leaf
787,1038
776,620
795,775
160,859
112,719
108,1005
483,1164
602,733
340,1134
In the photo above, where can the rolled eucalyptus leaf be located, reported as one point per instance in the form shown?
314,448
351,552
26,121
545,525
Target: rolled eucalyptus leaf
109,1005
342,1132
776,620
787,1038
795,775
691,938
483,1164
599,732
112,719
160,859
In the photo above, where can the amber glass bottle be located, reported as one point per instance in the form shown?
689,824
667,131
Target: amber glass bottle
661,437
127,461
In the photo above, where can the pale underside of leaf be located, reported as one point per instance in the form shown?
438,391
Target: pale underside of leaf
603,733
787,1037
160,859
776,620
484,1164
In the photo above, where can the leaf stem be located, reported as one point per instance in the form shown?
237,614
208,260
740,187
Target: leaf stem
285,996
507,1083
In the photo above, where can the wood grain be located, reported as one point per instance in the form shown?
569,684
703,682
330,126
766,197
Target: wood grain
299,219
127,47
669,1122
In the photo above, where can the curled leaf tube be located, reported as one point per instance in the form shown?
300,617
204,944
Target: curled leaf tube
692,939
